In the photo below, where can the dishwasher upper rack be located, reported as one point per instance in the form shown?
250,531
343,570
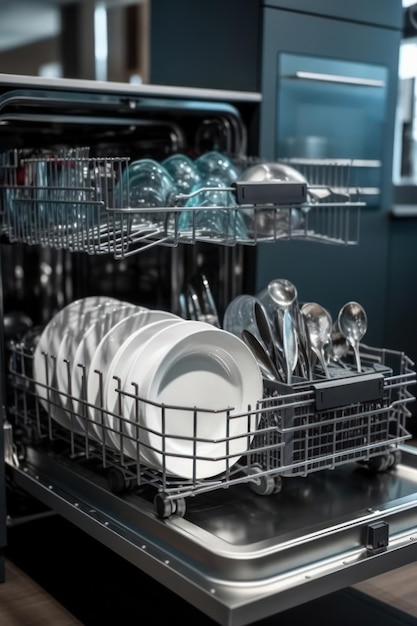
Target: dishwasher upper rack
292,431
83,209
347,177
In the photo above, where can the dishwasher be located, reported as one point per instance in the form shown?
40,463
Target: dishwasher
324,492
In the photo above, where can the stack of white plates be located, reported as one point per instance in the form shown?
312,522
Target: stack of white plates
179,396
54,357
103,366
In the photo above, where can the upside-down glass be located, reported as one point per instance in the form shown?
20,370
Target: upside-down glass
146,184
205,222
240,315
218,165
184,172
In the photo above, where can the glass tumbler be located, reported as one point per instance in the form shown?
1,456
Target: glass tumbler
206,222
146,184
184,172
216,164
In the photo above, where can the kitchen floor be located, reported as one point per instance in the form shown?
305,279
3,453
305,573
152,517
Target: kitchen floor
56,575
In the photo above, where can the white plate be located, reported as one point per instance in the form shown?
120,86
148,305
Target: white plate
65,362
103,356
206,368
119,367
85,350
140,352
47,348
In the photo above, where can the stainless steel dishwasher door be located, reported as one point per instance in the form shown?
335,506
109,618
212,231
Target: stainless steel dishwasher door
239,556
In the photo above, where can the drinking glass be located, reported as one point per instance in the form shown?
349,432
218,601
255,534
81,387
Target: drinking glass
216,164
146,184
205,223
184,172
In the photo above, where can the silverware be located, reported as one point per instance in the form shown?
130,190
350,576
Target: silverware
289,336
194,308
353,323
319,328
267,336
265,363
339,346
283,296
210,308
200,300
305,353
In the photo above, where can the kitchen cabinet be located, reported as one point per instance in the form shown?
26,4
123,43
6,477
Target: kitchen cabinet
383,13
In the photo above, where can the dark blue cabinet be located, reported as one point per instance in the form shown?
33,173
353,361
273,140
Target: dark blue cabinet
376,12
215,44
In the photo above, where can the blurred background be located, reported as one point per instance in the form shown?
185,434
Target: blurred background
84,39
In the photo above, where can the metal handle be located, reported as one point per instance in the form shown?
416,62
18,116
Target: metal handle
336,78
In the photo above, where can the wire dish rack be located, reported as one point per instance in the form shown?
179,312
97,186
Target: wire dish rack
292,431
78,203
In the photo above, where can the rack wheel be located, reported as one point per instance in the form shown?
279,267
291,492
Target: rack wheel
164,507
379,463
263,485
277,484
180,507
394,458
117,480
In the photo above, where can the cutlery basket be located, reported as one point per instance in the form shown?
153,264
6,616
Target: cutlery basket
351,417
303,428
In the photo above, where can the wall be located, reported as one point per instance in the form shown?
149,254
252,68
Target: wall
28,59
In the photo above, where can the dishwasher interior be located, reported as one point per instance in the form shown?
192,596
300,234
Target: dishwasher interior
319,491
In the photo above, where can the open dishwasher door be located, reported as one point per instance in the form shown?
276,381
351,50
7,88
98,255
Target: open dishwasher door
324,494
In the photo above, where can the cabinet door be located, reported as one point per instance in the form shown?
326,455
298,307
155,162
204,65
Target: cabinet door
378,12
195,43
363,51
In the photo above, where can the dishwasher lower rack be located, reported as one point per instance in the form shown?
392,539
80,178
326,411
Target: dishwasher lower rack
292,431
83,204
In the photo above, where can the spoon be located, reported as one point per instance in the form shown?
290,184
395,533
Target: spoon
353,323
278,296
285,297
319,328
282,291
339,346
262,357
